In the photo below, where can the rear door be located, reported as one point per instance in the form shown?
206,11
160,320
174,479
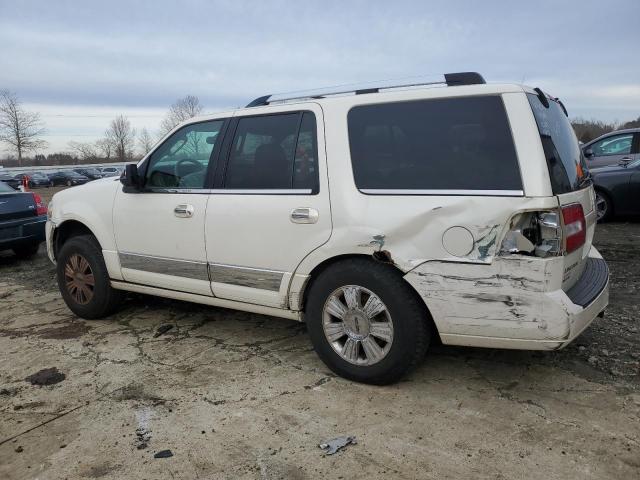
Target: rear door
270,205
569,180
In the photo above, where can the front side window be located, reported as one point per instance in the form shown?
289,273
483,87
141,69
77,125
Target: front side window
615,145
274,152
183,159
460,143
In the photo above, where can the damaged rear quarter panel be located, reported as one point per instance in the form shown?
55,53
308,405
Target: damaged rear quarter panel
513,297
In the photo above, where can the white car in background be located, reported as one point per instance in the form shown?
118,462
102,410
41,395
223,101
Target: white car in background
111,171
381,217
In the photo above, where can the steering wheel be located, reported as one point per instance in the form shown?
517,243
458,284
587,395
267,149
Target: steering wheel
187,161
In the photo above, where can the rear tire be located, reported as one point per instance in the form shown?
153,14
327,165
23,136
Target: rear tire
604,206
401,329
83,279
27,251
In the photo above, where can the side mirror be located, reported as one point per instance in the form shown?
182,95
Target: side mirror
131,179
588,153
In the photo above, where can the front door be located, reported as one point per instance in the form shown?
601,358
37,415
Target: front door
612,150
270,207
159,231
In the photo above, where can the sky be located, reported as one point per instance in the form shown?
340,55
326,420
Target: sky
80,63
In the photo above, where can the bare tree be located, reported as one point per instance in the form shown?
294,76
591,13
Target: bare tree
105,148
122,136
85,151
20,129
184,109
145,141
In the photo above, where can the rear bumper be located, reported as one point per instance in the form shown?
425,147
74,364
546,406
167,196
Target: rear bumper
21,232
513,303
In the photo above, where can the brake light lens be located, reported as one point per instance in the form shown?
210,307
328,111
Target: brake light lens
575,227
41,207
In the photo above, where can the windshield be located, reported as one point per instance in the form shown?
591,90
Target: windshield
567,168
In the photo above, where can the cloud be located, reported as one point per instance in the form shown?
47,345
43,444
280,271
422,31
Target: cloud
134,56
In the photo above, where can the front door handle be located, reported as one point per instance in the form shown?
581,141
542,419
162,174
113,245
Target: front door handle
304,215
184,210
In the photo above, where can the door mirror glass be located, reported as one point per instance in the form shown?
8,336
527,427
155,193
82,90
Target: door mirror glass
588,153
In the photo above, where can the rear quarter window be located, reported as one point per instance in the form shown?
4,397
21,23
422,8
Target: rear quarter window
562,151
462,143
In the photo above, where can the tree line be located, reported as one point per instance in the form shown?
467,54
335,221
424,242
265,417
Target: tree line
22,132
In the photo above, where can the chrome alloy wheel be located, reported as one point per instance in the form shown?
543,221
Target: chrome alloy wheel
79,279
358,325
601,206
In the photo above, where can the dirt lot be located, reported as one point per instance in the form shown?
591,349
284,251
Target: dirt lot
236,395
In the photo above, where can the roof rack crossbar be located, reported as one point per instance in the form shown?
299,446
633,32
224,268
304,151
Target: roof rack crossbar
450,79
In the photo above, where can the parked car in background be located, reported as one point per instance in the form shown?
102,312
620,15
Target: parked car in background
7,179
36,179
462,212
617,189
111,171
90,173
23,216
613,148
68,178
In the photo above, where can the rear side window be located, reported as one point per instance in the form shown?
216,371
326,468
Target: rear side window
274,152
460,143
561,148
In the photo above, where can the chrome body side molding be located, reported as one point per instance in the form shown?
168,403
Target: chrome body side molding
164,265
246,276
263,279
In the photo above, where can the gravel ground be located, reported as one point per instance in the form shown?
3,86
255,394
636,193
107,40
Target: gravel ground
237,395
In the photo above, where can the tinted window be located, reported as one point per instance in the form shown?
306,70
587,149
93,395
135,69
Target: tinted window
4,188
182,159
274,152
561,148
454,143
615,145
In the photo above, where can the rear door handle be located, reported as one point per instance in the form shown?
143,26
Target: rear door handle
304,215
184,210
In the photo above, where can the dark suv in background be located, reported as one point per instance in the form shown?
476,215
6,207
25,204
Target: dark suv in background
68,178
90,173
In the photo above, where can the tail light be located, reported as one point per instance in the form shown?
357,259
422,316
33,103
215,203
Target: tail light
548,233
41,207
575,227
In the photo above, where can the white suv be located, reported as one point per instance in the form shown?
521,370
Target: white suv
381,217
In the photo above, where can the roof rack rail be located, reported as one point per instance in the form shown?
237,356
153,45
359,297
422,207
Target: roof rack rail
450,79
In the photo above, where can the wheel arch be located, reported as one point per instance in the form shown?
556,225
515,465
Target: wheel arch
377,257
67,230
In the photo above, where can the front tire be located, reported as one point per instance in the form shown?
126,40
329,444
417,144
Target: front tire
83,279
366,323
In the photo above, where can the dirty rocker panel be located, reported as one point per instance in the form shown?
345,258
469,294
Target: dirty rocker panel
165,266
246,276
